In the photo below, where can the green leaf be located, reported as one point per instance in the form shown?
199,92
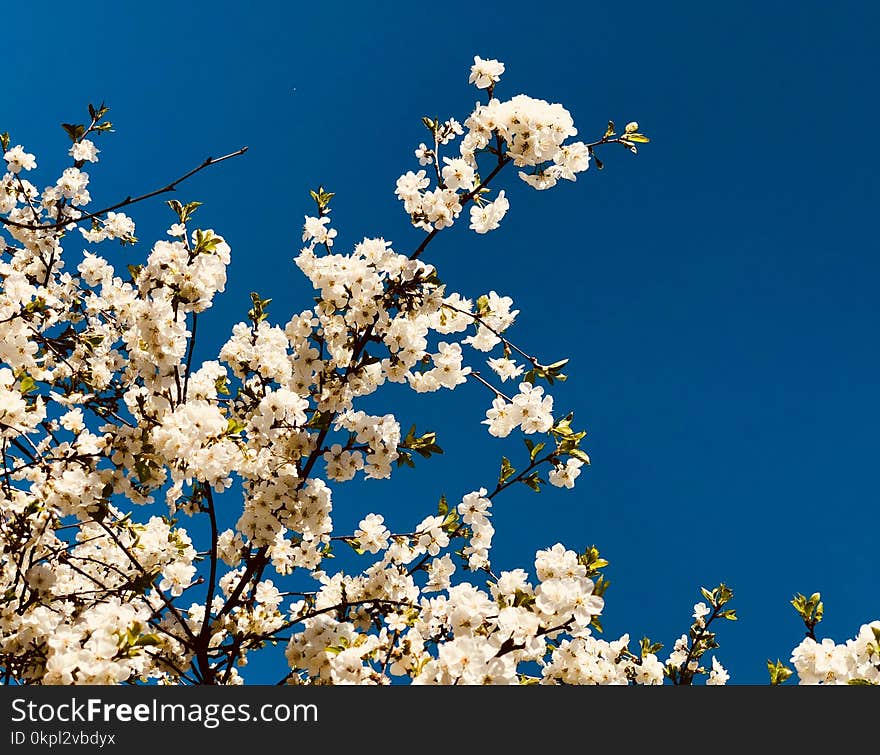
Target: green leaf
221,385
533,481
551,372
647,647
146,640
4,140
535,450
97,113
189,208
724,593
507,471
27,385
640,138
234,426
610,130
811,610
183,211
322,198
320,420
424,445
74,130
443,506
451,522
143,471
580,455
257,313
355,545
483,306
779,672
563,427
592,560
207,242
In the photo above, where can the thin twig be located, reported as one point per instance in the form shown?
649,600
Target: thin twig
128,200
478,377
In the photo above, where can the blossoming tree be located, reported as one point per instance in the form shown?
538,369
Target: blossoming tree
114,439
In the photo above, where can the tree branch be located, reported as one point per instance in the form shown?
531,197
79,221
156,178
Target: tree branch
205,632
127,201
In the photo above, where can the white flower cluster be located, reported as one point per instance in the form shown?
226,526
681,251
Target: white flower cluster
465,636
533,133
116,225
474,512
589,660
95,648
18,160
191,273
17,416
485,73
563,476
857,660
530,409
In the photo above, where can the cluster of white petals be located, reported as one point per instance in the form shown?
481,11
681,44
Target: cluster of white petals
855,661
528,132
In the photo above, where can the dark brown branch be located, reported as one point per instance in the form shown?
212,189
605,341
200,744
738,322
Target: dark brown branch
127,201
204,637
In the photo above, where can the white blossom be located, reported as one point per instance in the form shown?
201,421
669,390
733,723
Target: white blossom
484,73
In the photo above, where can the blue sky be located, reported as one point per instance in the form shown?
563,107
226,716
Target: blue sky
717,295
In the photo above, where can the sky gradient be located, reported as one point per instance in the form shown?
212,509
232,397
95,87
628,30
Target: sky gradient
717,294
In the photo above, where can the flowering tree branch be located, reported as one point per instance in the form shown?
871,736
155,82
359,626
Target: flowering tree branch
114,437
